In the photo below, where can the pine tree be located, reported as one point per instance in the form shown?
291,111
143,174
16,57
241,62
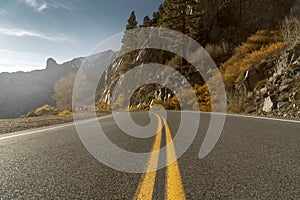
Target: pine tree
147,22
129,40
143,36
156,16
185,16
173,15
194,19
131,22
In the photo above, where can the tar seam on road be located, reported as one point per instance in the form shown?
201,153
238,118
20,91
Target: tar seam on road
173,184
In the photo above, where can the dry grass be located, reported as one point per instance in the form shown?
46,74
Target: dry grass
290,28
258,47
64,113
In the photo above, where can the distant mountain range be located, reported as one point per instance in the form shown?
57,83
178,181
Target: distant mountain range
22,92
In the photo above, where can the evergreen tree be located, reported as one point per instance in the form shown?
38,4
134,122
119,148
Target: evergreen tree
147,22
194,19
173,15
128,41
156,16
131,22
144,36
182,15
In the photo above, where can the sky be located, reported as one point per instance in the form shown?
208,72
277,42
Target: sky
31,31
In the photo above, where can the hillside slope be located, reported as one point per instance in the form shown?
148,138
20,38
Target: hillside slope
22,92
220,24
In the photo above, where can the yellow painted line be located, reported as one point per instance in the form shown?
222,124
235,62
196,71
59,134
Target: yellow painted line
174,186
146,186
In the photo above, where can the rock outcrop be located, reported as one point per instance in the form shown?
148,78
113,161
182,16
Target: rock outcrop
278,94
235,20
229,21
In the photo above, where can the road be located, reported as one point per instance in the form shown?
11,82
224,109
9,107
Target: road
253,159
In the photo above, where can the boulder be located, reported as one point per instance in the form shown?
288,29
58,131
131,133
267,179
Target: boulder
284,88
297,51
264,92
268,105
283,97
297,95
281,104
287,81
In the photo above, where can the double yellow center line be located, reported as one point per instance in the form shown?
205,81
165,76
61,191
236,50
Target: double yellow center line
173,185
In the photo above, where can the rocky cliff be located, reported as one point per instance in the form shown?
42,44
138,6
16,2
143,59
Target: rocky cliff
234,20
277,94
227,21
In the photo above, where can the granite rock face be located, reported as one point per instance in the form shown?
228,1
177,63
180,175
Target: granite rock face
235,20
279,95
229,21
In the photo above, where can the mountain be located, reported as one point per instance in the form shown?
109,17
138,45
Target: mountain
22,92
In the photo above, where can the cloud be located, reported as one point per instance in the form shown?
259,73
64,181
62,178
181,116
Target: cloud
17,52
41,5
12,61
28,33
31,3
57,5
2,11
37,5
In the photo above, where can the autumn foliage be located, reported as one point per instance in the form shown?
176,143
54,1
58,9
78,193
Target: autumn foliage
258,47
63,90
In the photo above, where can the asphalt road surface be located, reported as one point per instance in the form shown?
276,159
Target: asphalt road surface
253,159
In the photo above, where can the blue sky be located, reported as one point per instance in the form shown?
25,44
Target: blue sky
33,30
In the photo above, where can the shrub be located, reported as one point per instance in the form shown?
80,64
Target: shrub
260,84
119,104
46,110
290,28
258,47
63,89
157,102
133,108
236,103
105,107
175,62
43,110
64,113
218,53
186,102
145,107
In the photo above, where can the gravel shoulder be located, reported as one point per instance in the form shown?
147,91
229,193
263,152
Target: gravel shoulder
20,124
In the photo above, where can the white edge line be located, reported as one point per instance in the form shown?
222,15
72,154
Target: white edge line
103,117
244,116
265,118
52,128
